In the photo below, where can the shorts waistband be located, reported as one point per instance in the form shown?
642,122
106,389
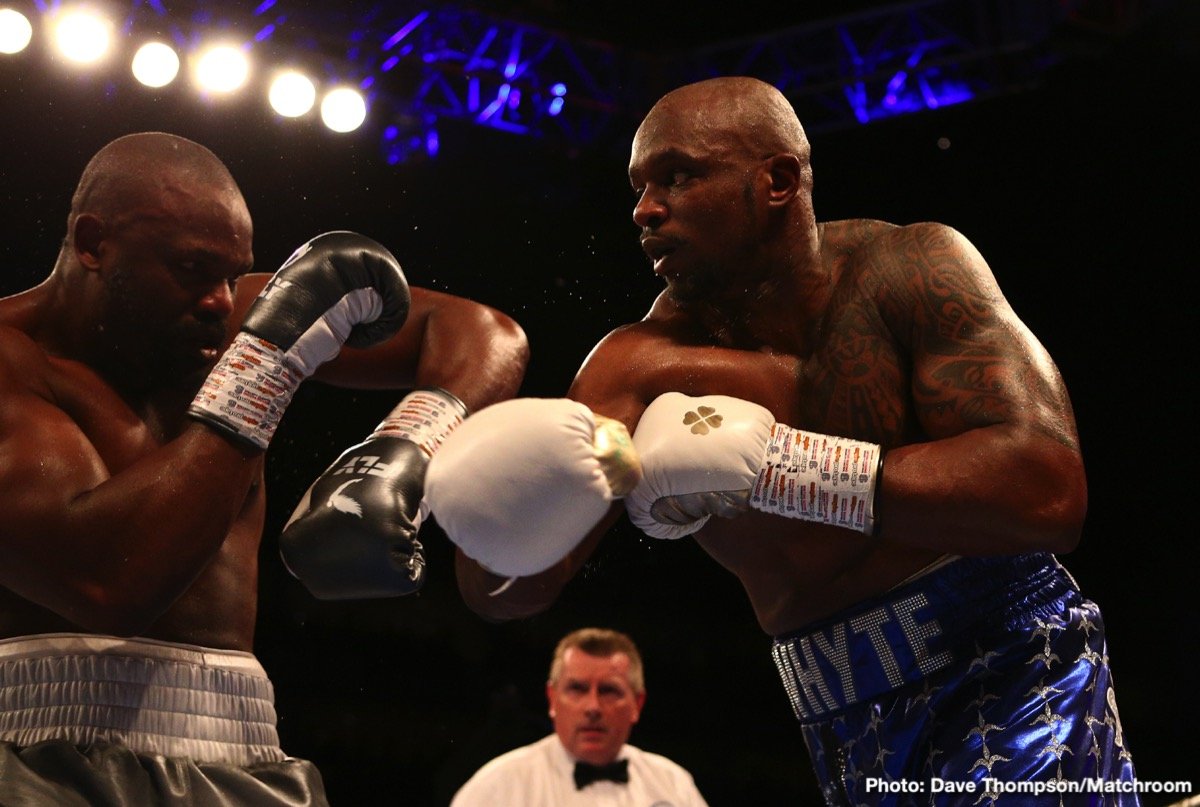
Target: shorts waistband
153,697
916,629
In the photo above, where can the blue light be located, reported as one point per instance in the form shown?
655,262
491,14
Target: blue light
473,94
559,89
556,106
263,7
931,94
389,63
406,29
432,143
496,105
514,57
391,132
856,94
367,83
265,32
931,99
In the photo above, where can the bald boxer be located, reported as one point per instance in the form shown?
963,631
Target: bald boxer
850,418
140,384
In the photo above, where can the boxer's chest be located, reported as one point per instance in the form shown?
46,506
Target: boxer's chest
856,383
120,434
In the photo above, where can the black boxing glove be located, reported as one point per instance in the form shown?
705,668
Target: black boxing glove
339,288
354,533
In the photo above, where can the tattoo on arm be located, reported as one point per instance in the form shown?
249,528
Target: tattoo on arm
976,365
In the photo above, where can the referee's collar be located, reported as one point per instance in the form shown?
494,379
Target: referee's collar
565,760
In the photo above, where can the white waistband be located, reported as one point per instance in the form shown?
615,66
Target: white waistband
150,696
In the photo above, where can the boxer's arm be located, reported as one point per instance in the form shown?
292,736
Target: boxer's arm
462,356
472,350
108,551
498,599
109,539
1002,471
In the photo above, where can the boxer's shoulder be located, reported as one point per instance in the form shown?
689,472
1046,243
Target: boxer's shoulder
27,368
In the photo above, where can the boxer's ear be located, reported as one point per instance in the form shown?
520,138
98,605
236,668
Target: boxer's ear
784,174
87,233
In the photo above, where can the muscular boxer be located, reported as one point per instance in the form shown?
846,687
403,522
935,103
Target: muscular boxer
140,384
850,418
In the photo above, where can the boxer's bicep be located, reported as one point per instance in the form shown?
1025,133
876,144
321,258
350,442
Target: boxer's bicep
614,380
46,462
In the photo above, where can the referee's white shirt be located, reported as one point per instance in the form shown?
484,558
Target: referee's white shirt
543,775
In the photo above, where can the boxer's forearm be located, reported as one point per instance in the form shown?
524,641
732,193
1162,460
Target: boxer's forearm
994,491
475,352
501,599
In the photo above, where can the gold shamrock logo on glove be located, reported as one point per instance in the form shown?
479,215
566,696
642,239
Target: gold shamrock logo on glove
701,419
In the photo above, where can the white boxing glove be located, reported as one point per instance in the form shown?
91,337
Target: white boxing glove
520,483
717,455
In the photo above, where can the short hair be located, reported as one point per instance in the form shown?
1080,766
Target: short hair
600,642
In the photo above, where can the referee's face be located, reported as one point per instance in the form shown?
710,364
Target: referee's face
593,705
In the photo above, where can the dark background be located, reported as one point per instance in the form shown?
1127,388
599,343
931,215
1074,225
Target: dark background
1080,192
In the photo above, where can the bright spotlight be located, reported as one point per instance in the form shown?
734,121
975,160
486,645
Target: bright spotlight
15,31
82,36
155,64
292,94
222,69
343,109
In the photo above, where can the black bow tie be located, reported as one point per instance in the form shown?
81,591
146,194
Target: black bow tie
585,774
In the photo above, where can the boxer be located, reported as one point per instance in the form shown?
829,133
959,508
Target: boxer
850,418
140,384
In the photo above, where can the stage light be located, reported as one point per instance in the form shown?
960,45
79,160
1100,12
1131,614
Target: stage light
155,64
292,94
343,109
222,69
15,31
82,36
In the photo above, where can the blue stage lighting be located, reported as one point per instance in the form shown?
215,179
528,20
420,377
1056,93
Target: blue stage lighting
405,30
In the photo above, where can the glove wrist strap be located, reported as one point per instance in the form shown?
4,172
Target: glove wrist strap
425,417
247,391
818,477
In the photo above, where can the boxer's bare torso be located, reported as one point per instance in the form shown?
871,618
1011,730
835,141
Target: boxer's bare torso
94,427
906,351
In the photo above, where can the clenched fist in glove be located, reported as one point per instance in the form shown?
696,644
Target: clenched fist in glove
354,533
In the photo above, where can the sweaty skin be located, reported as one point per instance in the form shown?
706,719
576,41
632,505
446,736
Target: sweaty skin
894,334
122,515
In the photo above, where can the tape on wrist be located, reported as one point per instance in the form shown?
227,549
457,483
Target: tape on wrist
818,477
248,390
425,417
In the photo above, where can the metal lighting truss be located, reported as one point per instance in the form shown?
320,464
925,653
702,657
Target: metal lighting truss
426,65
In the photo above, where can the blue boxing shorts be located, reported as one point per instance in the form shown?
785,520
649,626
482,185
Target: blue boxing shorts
103,721
982,682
